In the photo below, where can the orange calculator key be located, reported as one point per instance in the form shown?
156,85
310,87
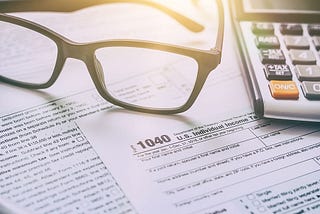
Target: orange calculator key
284,89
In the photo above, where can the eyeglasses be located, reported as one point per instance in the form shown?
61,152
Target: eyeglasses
137,75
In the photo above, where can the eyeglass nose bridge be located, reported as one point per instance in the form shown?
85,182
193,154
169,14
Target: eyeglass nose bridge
75,50
85,53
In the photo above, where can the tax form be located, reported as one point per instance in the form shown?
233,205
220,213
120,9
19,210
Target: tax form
242,164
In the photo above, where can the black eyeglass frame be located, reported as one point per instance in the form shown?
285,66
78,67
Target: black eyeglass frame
207,60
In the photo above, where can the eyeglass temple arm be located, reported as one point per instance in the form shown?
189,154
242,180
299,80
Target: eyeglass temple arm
220,35
73,5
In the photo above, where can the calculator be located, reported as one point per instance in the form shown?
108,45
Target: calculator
279,47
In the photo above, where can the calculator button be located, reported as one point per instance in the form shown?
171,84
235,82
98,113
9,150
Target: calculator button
267,42
277,72
302,57
291,29
296,42
284,89
311,90
316,42
272,56
308,72
314,29
262,28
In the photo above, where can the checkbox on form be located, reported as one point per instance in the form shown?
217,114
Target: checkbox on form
79,139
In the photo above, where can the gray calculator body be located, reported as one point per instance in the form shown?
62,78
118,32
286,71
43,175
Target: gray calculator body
279,46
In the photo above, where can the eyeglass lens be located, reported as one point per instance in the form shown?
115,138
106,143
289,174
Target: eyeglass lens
25,55
147,78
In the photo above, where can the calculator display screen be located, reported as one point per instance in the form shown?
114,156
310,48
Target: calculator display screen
282,6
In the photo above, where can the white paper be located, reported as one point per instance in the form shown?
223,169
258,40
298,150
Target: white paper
238,165
47,166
